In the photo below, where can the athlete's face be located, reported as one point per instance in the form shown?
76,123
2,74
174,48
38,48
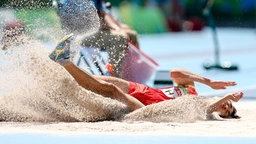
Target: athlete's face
226,109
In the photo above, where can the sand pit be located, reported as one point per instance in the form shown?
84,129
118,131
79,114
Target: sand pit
47,100
244,127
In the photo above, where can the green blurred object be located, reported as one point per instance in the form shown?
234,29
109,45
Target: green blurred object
26,3
240,13
40,23
143,20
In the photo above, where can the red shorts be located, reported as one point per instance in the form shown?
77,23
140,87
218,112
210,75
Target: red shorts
149,96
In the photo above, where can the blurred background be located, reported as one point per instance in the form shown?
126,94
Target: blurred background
150,16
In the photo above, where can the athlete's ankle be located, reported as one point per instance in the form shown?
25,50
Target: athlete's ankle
64,62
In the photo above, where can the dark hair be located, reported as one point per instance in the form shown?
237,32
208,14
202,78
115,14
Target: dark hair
232,115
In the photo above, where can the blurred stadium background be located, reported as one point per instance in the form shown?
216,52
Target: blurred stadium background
148,16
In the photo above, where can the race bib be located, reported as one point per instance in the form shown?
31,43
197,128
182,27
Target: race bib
173,92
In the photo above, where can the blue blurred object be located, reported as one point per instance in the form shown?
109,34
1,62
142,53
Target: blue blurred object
247,5
40,138
79,15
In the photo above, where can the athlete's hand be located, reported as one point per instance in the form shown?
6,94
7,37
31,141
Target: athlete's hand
235,96
221,84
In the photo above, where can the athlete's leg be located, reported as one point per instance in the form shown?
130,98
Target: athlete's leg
103,87
121,83
107,89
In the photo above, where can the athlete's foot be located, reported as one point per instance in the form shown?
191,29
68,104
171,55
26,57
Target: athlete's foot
62,50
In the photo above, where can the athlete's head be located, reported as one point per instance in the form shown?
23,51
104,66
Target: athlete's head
227,110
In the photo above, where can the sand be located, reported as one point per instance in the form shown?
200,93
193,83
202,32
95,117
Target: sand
39,96
244,127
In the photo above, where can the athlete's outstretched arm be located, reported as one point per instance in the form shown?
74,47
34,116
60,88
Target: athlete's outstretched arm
182,76
218,105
